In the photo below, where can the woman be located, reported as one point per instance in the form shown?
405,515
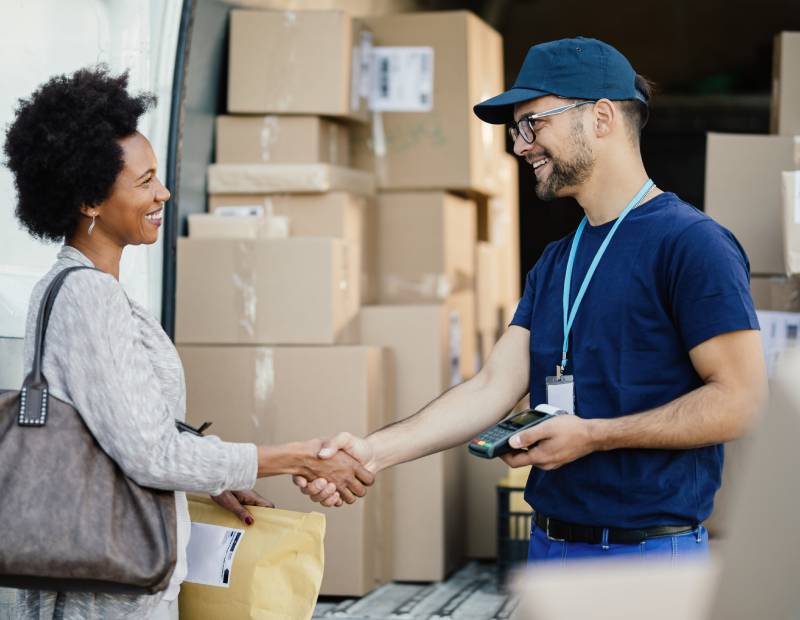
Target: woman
86,177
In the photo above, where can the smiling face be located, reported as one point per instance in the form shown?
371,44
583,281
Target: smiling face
560,155
134,210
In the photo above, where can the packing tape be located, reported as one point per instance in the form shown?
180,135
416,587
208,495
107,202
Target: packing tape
244,282
427,285
264,417
270,128
379,148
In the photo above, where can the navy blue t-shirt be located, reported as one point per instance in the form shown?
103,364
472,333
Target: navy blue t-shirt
670,279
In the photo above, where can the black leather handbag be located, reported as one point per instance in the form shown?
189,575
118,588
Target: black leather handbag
70,520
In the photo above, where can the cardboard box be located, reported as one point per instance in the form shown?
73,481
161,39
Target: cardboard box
790,193
785,110
287,179
304,62
488,278
776,293
264,291
426,246
463,332
355,8
743,192
263,395
428,493
336,214
281,140
482,475
205,226
446,146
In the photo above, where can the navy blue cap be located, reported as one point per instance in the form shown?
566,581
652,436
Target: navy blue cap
577,68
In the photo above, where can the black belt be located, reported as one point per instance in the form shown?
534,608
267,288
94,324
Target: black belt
569,532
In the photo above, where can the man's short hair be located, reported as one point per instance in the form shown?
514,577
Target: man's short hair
637,112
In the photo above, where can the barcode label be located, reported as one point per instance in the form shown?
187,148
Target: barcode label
402,79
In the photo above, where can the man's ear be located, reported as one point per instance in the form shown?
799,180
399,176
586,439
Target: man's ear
605,118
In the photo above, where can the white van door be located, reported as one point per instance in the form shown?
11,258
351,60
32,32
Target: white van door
42,38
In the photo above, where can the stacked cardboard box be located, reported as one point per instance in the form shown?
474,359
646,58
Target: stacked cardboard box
445,184
271,281
752,189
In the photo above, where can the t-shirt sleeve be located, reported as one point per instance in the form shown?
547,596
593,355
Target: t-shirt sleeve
522,316
708,279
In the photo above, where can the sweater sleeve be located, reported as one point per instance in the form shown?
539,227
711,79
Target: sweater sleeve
95,350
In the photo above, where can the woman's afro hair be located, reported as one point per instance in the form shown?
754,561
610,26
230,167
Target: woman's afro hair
63,147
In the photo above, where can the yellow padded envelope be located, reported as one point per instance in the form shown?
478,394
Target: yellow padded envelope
276,571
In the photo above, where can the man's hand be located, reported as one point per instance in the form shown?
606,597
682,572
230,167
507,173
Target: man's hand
323,491
552,443
235,501
332,466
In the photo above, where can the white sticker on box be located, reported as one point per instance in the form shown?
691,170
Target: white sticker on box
402,79
240,211
210,554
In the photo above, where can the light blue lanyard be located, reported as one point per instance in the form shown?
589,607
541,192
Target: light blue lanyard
592,268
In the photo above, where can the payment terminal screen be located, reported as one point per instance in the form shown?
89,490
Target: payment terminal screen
526,417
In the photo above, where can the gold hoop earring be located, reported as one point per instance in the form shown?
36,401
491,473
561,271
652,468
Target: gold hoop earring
91,226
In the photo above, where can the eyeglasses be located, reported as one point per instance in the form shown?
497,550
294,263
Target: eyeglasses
524,126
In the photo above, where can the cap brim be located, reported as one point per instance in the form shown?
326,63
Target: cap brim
499,110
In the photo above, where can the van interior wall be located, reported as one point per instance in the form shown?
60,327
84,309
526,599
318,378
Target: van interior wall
711,63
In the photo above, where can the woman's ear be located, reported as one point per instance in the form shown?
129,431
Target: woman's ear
89,211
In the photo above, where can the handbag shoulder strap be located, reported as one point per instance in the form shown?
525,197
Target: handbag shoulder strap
33,396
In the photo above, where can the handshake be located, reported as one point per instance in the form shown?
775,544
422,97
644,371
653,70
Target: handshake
333,471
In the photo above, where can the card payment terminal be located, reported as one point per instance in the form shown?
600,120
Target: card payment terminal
494,441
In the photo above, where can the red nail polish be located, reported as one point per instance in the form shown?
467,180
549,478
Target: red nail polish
248,520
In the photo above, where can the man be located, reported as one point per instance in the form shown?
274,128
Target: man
654,346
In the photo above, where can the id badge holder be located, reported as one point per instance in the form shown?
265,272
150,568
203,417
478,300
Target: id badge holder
561,391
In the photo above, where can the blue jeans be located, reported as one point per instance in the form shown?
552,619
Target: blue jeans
691,545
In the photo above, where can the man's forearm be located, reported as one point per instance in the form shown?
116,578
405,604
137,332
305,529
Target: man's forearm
453,418
709,415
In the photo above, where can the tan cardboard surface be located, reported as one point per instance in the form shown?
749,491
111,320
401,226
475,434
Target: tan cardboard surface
790,193
488,278
743,192
777,293
205,226
293,62
275,395
288,291
463,327
785,111
428,493
448,147
481,484
276,139
287,178
355,8
426,246
336,214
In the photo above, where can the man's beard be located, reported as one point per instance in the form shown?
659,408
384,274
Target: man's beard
567,173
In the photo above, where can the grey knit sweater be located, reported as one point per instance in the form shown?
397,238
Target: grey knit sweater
110,359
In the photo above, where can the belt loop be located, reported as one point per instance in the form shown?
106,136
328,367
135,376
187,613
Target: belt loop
698,537
605,539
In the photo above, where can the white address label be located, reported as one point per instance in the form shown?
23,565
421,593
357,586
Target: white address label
210,554
402,79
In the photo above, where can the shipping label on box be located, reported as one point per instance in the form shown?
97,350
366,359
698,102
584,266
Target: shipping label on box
402,79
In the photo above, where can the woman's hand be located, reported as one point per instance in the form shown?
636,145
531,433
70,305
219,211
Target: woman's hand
235,501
